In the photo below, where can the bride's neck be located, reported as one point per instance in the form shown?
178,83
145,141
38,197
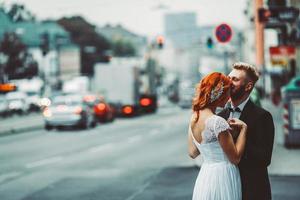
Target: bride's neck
209,110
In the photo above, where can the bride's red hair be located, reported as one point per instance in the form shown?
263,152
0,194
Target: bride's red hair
203,98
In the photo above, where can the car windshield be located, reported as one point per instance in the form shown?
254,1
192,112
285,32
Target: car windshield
31,93
67,100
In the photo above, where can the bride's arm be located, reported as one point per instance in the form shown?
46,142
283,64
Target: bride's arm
193,150
234,151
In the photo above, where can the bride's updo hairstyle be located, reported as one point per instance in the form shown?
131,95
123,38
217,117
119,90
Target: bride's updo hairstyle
211,92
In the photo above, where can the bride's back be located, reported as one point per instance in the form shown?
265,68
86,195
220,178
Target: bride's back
205,134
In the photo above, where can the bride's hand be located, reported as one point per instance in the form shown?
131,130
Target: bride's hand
237,123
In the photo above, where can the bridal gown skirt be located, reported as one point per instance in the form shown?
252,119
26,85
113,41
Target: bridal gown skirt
218,181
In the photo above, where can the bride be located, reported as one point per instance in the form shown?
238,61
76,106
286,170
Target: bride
211,135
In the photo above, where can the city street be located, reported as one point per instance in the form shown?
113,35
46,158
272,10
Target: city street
137,158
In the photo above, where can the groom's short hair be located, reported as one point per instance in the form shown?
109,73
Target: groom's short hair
250,70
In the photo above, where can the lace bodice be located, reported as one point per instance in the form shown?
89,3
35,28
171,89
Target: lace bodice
210,148
214,125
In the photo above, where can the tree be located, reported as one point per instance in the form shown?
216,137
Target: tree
93,46
19,63
18,13
123,48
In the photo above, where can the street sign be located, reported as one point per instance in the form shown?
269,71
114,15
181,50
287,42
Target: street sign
282,14
280,55
223,33
288,51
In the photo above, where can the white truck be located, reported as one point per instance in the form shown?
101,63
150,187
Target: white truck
120,82
77,84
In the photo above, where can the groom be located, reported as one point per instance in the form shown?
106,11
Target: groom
260,134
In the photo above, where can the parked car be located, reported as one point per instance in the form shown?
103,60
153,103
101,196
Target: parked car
186,94
33,100
69,110
17,102
103,111
3,106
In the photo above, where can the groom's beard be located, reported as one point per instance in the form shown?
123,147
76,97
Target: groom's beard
239,93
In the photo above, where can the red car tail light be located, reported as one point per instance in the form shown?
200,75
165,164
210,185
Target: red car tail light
100,108
145,102
127,110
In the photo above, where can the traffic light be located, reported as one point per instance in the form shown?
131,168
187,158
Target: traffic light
160,40
263,15
209,43
44,43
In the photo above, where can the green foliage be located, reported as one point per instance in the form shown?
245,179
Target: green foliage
19,63
18,13
83,33
123,48
93,46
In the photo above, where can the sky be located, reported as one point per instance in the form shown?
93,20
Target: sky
143,17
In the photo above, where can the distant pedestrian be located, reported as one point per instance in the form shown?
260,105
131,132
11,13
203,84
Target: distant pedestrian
219,177
260,133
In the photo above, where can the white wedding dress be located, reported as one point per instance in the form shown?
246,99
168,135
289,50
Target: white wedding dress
218,178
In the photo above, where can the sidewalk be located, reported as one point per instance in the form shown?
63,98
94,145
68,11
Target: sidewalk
177,183
18,124
284,161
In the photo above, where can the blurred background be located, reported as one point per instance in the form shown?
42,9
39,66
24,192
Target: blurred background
95,96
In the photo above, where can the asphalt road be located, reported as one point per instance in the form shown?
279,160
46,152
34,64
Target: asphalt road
129,159
112,161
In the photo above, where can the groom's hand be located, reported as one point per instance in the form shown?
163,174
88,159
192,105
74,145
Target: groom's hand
235,130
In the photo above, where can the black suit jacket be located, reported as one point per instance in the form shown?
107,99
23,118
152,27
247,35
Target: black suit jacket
258,151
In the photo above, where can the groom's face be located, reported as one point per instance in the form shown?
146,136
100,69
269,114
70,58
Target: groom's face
239,82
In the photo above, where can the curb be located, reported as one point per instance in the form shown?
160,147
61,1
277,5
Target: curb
12,131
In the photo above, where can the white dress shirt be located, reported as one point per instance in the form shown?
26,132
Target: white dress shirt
236,114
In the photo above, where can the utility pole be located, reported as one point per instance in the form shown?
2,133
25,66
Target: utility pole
259,40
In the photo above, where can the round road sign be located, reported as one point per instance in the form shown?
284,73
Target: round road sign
223,33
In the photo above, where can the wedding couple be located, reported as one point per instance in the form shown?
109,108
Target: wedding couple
236,145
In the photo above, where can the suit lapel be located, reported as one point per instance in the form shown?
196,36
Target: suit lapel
247,112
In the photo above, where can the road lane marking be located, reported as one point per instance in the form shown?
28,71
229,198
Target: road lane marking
104,147
4,177
44,162
155,132
139,191
134,138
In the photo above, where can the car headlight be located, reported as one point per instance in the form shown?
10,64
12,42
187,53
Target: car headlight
47,113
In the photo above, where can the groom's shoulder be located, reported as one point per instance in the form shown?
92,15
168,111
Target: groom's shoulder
260,110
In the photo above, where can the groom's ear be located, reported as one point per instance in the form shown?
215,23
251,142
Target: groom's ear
249,86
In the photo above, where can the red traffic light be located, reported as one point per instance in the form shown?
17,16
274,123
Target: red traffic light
160,40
